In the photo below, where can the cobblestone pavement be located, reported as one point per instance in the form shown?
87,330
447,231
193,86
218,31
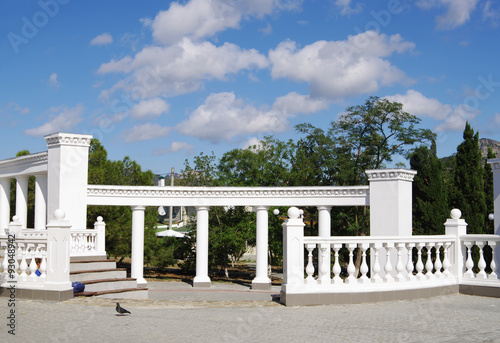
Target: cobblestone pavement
230,313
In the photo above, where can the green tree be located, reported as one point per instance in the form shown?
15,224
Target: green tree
468,191
488,191
430,205
119,218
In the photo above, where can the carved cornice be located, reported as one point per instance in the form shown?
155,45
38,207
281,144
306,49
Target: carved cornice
25,161
495,164
224,192
390,174
68,139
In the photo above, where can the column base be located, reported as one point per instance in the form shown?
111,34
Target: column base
261,286
201,281
142,283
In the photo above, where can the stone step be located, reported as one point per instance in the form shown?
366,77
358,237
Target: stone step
91,265
89,275
88,258
109,284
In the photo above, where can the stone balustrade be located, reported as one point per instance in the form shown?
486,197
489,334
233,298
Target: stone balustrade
320,267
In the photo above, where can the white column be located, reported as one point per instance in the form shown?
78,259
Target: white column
456,227
100,227
137,267
67,170
261,280
41,201
4,205
391,206
324,230
58,253
201,279
495,167
22,199
293,253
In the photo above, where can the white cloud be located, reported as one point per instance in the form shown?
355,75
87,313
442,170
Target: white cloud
222,117
490,13
496,120
103,39
452,117
180,68
253,142
149,108
16,107
198,19
457,11
294,103
146,132
53,82
346,9
61,119
337,69
174,147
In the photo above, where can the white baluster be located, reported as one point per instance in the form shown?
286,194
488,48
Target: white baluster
482,263
469,264
428,264
409,263
363,269
310,266
388,266
419,266
5,263
399,264
351,269
33,265
24,265
43,265
493,264
336,265
376,263
324,269
446,260
437,264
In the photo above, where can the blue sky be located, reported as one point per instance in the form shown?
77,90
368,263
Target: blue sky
163,81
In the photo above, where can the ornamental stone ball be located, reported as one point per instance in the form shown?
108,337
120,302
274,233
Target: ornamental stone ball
293,212
15,219
455,213
276,211
59,214
491,216
99,219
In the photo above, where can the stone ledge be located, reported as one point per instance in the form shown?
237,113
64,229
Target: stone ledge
301,299
38,294
480,290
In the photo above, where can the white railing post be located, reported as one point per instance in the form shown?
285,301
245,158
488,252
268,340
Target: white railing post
293,251
58,251
261,280
100,227
456,227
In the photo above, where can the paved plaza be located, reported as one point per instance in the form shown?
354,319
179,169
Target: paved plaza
176,312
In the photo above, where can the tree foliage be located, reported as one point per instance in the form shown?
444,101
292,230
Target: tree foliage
430,205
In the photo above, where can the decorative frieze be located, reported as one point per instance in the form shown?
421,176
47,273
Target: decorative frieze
247,192
24,161
390,174
68,139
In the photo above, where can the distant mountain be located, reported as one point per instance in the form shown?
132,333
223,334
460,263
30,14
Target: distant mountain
485,142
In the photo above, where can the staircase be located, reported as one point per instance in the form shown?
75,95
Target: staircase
101,278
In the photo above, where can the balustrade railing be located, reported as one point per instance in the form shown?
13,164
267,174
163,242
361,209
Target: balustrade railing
28,251
84,242
485,267
383,259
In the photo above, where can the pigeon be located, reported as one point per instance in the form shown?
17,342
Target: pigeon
121,310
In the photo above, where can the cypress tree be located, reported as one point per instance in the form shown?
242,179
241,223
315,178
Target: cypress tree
468,195
488,190
430,205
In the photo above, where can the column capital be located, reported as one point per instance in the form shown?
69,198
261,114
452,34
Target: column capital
390,174
261,208
72,139
138,208
324,207
202,208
